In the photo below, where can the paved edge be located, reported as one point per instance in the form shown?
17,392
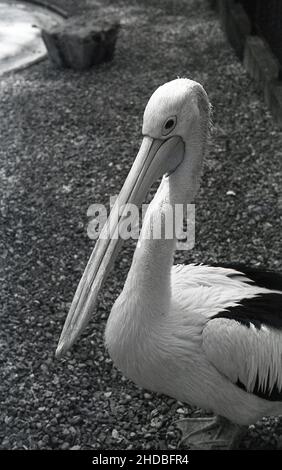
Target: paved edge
55,9
46,4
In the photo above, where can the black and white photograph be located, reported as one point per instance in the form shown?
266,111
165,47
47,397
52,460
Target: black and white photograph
140,213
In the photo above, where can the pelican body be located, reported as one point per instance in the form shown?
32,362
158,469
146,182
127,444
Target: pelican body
210,336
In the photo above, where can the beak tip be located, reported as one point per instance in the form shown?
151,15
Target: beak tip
67,339
62,348
59,351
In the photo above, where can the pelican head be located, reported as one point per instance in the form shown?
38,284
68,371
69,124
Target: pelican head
175,120
172,108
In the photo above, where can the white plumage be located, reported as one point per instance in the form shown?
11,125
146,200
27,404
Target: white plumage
177,348
208,336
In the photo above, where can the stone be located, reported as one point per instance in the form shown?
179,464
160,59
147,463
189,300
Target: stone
273,96
223,7
81,42
236,24
263,67
259,61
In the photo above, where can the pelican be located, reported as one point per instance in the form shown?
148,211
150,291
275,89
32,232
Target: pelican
209,336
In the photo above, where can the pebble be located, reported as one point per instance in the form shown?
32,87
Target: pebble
156,423
65,446
5,442
115,434
76,420
180,411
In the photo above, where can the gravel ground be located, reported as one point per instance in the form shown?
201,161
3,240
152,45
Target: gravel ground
67,140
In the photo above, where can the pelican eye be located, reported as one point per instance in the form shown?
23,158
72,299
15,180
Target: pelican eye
169,125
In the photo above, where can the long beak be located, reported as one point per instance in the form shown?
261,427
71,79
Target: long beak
155,158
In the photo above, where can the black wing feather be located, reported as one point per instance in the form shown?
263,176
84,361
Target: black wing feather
260,276
264,309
